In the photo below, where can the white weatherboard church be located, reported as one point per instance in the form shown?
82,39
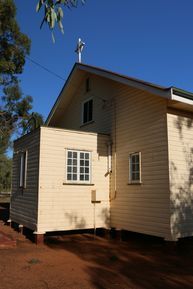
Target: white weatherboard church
114,152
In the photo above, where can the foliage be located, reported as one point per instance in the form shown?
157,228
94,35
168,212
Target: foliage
16,114
53,12
14,46
5,173
35,121
15,109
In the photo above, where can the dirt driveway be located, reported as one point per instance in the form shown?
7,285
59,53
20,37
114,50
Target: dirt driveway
81,262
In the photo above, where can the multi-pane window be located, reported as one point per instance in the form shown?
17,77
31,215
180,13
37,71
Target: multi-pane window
72,164
88,111
23,169
78,166
135,167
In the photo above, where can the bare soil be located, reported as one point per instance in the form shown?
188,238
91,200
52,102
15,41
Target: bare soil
81,262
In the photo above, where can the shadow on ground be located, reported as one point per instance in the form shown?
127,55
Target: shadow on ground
140,262
4,211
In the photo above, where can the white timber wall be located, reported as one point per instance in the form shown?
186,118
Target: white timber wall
180,139
101,91
140,126
137,122
24,201
65,206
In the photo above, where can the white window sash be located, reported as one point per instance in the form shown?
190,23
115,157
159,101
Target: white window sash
131,170
78,167
25,173
23,170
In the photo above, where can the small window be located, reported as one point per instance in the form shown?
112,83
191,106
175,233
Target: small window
87,84
78,166
88,111
23,169
135,167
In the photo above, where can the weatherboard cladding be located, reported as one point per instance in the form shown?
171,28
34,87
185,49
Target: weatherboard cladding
135,117
140,126
24,201
130,81
69,207
180,139
108,74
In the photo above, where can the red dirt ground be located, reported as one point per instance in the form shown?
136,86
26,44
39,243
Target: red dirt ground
82,262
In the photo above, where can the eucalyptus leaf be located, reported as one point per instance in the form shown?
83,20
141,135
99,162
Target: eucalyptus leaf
53,12
60,12
53,38
38,6
42,23
61,26
52,18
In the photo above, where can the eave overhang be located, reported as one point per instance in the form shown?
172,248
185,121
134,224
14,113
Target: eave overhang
170,93
181,95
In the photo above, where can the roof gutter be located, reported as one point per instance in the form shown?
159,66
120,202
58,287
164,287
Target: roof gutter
181,95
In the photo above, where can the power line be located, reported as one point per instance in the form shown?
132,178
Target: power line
45,68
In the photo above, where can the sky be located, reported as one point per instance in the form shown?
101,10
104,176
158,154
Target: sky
151,40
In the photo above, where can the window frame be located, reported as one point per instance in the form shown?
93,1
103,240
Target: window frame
87,84
78,180
83,105
23,169
131,180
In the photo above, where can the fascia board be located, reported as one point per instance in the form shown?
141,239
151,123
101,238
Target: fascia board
158,91
184,98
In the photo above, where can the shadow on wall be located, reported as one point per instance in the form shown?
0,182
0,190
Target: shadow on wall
181,183
181,122
102,145
105,216
79,222
76,221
